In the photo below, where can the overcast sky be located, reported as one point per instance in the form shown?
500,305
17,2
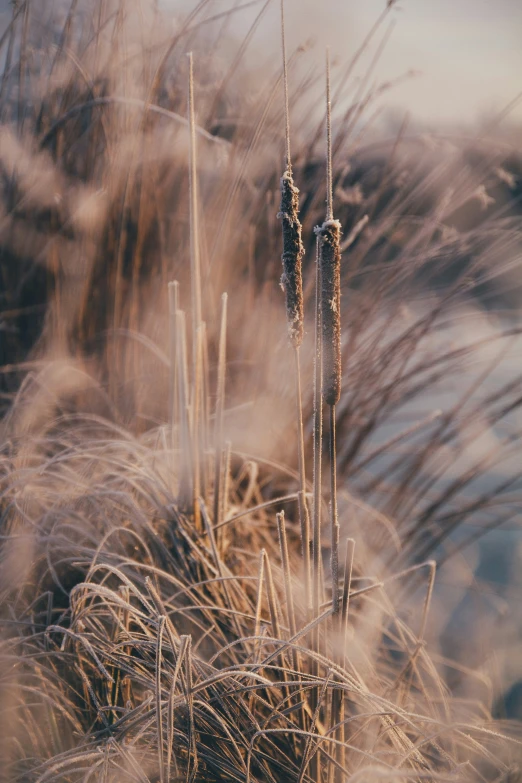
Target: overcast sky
469,51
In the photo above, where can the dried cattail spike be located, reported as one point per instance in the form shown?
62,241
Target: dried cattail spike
329,236
293,252
330,264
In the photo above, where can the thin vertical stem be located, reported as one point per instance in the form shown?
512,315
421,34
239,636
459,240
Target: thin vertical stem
173,290
348,567
285,561
272,598
22,72
285,89
195,270
196,428
317,444
342,640
225,478
220,406
329,178
159,720
303,506
334,519
185,440
257,626
205,450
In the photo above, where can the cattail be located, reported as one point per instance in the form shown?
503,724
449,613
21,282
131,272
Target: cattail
292,285
293,252
329,235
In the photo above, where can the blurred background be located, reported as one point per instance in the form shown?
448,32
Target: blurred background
466,53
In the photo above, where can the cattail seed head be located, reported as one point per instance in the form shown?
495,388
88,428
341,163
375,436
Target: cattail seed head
293,252
329,235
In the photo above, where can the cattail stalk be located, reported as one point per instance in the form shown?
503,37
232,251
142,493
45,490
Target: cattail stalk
317,444
292,284
348,567
343,640
329,240
329,287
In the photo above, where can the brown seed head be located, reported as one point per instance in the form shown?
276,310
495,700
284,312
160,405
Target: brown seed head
293,252
330,266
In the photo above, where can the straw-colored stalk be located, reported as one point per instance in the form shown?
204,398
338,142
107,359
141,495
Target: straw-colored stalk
342,641
185,440
219,413
330,291
287,577
173,291
317,450
195,270
329,288
292,284
196,425
195,276
329,314
159,717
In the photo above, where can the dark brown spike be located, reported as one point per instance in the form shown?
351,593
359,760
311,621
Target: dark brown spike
293,252
329,235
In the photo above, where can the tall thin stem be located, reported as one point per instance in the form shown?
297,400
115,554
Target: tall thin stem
220,402
334,518
285,88
329,178
304,516
317,445
173,291
195,270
